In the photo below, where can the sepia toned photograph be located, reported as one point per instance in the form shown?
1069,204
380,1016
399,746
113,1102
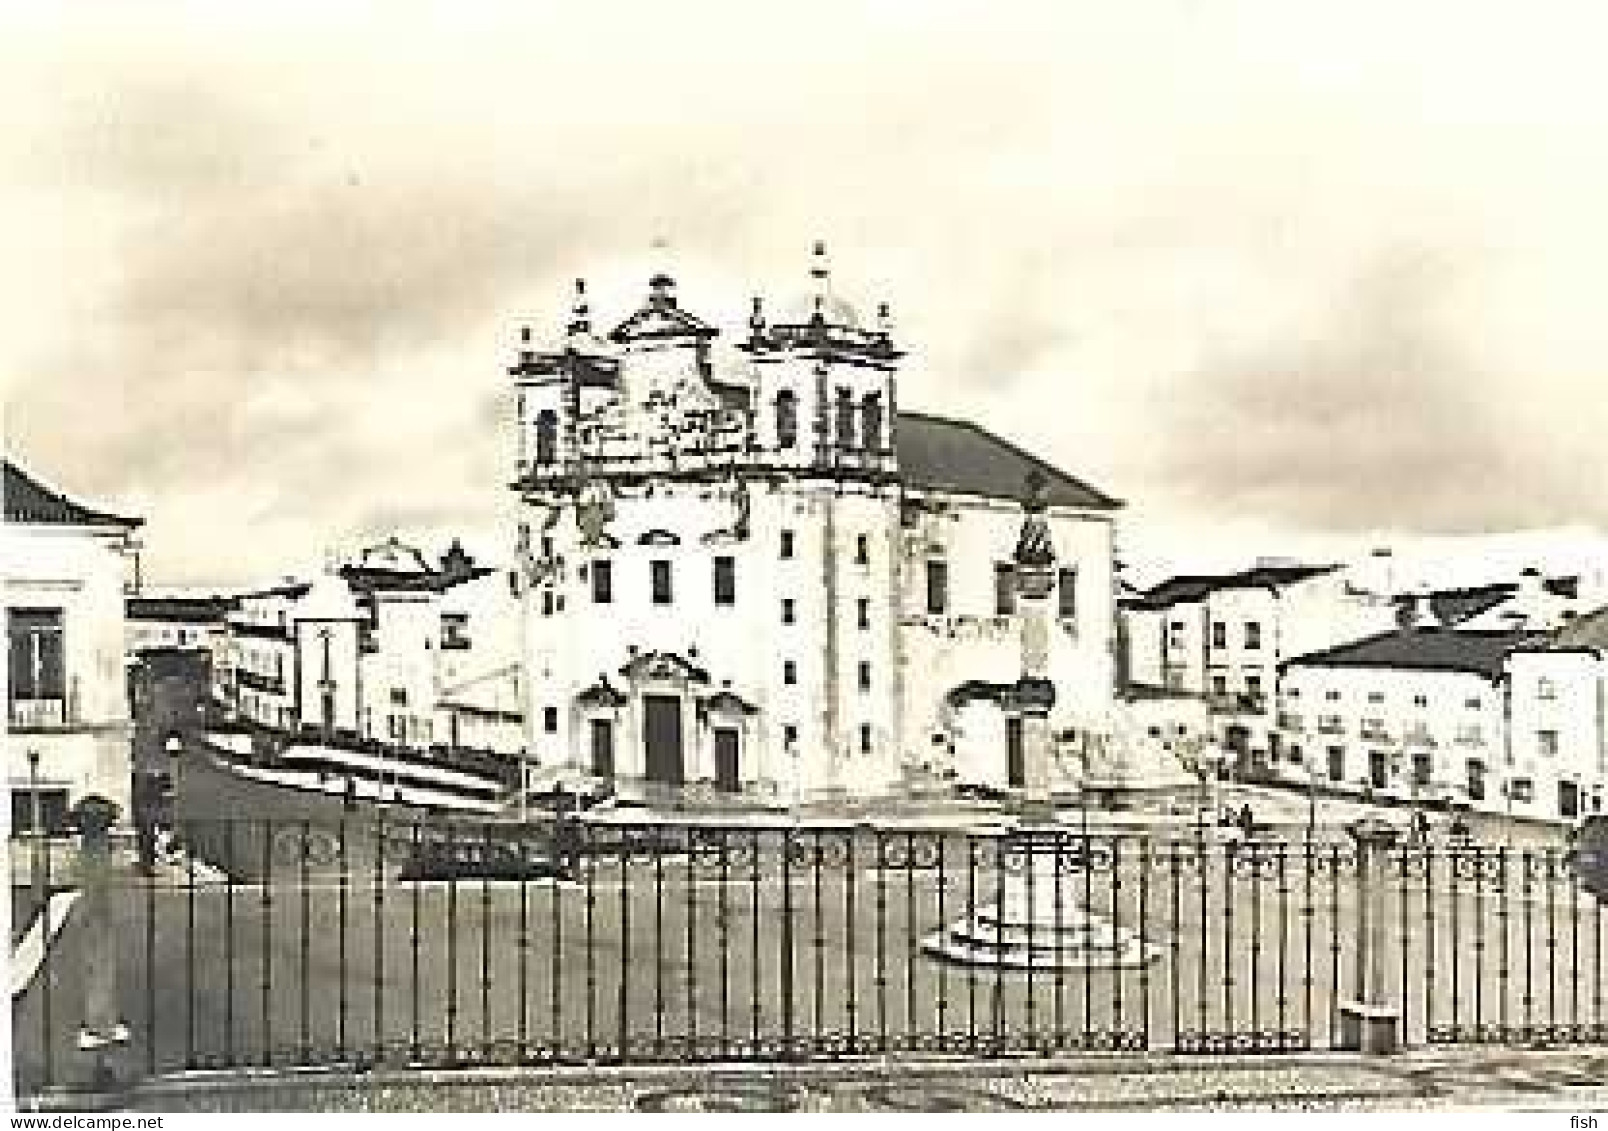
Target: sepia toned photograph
832,558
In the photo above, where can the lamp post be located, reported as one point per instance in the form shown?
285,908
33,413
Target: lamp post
1312,802
35,826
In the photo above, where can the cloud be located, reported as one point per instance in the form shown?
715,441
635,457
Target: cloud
266,280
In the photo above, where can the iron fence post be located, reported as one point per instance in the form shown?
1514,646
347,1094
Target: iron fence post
1370,1023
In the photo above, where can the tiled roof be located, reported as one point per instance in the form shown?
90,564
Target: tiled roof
1454,606
1423,649
30,501
1588,631
1192,587
937,454
184,609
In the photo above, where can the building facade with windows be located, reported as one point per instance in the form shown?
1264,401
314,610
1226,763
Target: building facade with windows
388,648
748,571
67,568
1224,637
1503,720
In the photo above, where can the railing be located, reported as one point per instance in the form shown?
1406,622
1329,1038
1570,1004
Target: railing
40,714
369,943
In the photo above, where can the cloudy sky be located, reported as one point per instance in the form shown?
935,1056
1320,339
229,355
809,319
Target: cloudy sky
1288,271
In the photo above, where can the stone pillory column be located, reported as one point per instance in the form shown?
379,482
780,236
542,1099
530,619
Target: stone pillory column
101,1033
1371,1022
1034,560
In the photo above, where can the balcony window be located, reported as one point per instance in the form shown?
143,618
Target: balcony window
602,582
789,614
34,637
845,418
546,437
786,419
1253,636
862,612
38,810
1421,770
1568,799
871,421
787,545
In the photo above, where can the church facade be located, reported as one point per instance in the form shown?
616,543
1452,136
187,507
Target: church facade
746,570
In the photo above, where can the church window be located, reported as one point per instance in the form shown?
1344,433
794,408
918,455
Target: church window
725,580
789,672
787,544
788,615
937,588
659,572
862,550
845,418
786,419
865,738
863,612
871,422
546,436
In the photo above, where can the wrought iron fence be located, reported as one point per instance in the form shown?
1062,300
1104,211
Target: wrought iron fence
369,943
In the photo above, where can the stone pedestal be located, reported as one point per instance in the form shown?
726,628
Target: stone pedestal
1371,1022
1025,923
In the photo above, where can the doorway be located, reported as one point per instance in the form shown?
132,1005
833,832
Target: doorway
602,748
661,736
726,760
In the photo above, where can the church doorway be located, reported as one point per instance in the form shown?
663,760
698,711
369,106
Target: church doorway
726,759
661,735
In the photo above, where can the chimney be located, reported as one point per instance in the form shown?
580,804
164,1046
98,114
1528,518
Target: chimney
1421,612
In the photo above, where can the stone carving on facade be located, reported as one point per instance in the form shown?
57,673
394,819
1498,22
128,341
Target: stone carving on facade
594,510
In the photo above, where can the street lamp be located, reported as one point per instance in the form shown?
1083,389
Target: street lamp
1312,802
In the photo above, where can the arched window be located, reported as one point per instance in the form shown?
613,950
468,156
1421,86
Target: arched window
845,418
871,422
546,436
786,419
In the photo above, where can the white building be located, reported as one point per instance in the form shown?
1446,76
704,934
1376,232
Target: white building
1224,637
181,623
389,648
1505,720
750,571
66,569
